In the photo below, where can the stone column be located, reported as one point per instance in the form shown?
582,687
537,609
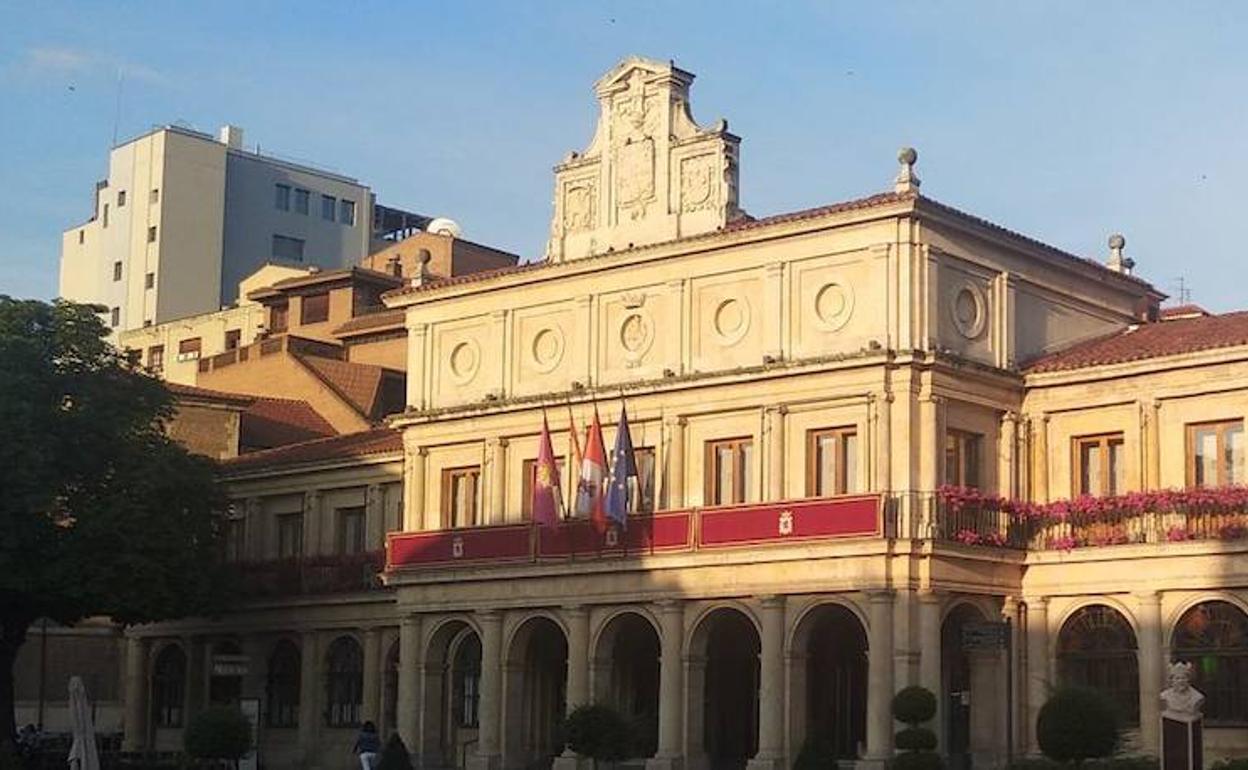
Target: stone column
371,639
577,693
312,523
930,654
1037,665
407,700
673,355
676,464
1010,613
773,311
498,482
1006,468
1151,656
310,686
671,686
135,716
771,705
417,337
775,453
1040,429
489,746
880,677
374,518
413,485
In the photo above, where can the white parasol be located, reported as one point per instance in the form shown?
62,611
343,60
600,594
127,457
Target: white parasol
82,755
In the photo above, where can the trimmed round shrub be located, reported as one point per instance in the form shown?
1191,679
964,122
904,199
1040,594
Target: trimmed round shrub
916,739
1077,724
598,732
218,732
914,705
918,760
394,755
816,754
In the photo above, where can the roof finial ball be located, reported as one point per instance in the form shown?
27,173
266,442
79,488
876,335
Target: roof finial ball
907,181
1117,262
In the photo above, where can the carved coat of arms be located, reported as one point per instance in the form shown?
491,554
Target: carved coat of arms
457,548
785,524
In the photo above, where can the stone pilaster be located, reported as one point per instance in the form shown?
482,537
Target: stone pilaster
771,706
371,639
1037,665
676,463
1152,655
407,700
135,716
310,722
489,738
929,655
671,687
880,677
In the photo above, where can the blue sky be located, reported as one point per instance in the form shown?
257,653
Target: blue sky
1064,120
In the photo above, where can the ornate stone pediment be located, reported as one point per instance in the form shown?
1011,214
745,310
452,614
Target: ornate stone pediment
650,174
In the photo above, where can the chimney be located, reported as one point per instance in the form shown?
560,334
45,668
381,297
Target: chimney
395,265
231,136
907,181
1117,262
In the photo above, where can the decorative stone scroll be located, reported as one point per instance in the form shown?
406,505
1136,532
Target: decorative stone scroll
650,174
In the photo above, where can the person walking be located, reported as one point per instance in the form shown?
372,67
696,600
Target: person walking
367,744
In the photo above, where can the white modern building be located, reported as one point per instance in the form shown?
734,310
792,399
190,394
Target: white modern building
184,216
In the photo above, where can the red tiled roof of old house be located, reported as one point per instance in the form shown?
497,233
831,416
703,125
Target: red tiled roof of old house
378,441
1186,329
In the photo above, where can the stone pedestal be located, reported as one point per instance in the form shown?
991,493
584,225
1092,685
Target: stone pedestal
1182,744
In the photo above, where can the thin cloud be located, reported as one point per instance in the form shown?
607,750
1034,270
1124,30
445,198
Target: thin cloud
63,60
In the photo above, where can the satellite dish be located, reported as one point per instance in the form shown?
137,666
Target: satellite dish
445,226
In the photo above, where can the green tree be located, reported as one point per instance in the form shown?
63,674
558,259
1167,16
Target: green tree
102,513
1076,724
598,732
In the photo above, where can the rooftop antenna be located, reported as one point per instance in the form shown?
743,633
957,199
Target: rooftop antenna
1184,292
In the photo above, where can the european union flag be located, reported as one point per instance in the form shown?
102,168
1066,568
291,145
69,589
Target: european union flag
623,470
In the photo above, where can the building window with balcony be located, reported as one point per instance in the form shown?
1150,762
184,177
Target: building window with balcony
962,458
279,317
151,234
1215,454
1096,649
121,198
346,212
156,357
116,271
529,480
232,338
169,687
314,308
351,531
235,538
831,462
281,197
729,464
328,202
461,496
301,201
189,349
1098,465
1213,637
344,683
290,536
282,685
290,249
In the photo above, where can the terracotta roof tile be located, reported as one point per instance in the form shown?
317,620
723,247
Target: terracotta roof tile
1151,340
380,441
1182,311
382,319
181,392
274,422
368,388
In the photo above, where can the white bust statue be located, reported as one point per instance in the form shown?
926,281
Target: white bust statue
1180,701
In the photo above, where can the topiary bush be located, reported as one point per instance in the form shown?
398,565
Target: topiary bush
598,732
913,706
218,732
817,754
1076,724
394,755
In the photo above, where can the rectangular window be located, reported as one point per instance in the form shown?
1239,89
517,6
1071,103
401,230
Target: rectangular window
149,281
281,197
529,480
1098,465
235,530
106,215
314,308
962,453
831,462
644,493
151,234
301,200
82,237
279,316
730,465
327,207
189,349
290,536
232,338
461,489
154,197
351,530
121,198
115,317
156,357
116,271
287,248
1215,454
346,212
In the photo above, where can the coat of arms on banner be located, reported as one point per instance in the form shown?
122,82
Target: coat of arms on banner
457,548
785,525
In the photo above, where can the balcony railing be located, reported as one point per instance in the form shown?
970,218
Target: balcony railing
973,518
269,346
696,529
312,575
